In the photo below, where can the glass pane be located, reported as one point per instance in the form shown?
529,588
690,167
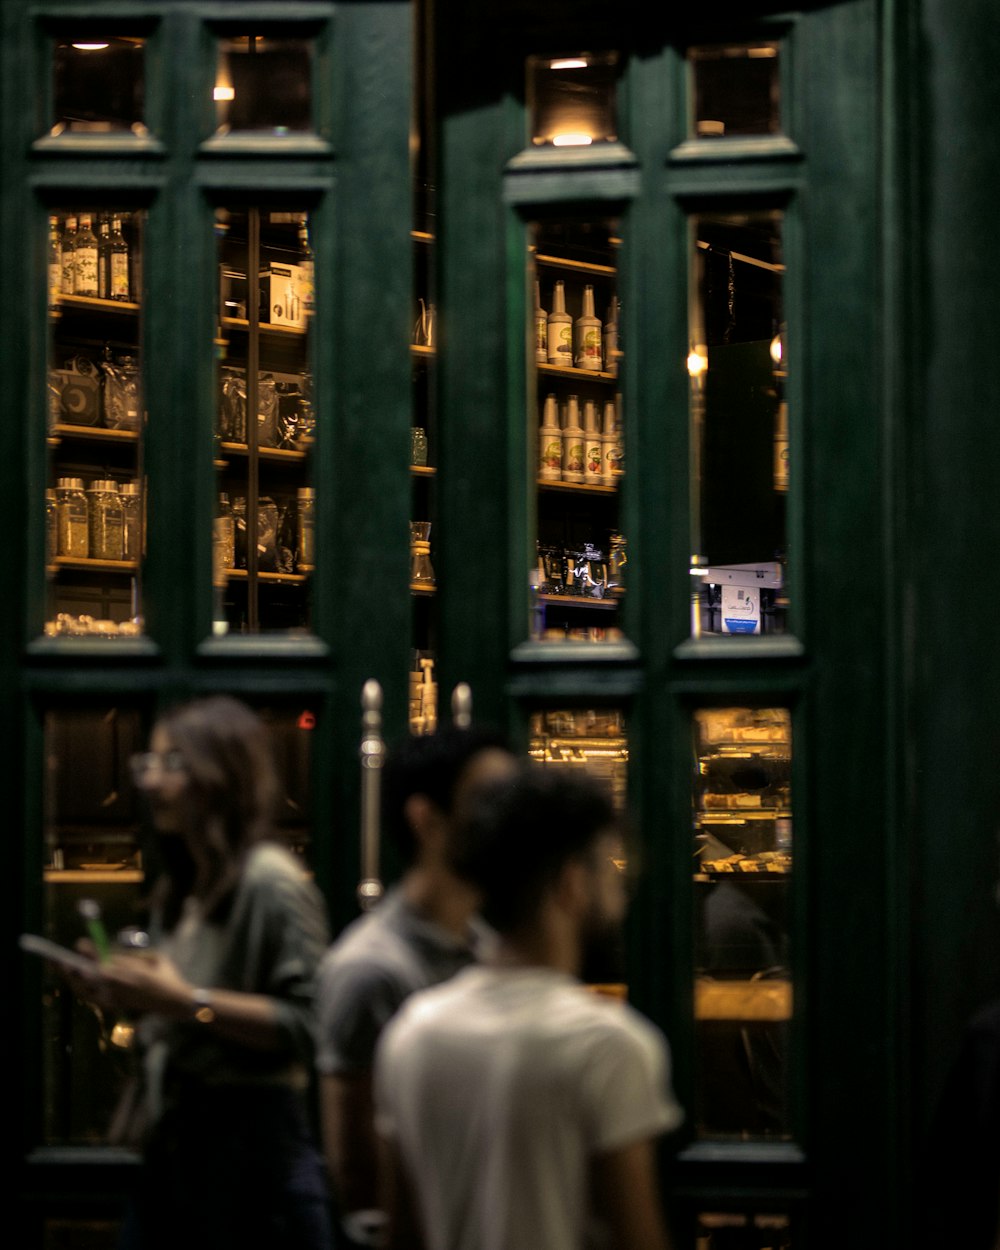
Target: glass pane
575,419
264,539
97,847
93,850
743,857
738,364
263,84
423,711
96,502
595,740
728,1230
98,85
736,89
571,99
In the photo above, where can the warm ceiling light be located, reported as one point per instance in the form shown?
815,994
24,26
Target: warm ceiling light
224,93
90,47
571,140
575,62
697,361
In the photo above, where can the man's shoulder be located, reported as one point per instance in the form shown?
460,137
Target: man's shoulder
372,950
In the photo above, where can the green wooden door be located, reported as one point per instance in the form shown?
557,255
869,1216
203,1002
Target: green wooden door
745,250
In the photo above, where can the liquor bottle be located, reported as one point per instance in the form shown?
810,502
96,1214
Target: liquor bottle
559,326
611,351
307,269
573,443
609,446
55,260
68,284
550,447
592,454
541,329
587,335
103,259
118,264
85,259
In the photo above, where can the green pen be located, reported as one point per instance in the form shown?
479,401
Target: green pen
90,910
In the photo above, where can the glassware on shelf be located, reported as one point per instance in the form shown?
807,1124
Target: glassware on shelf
421,569
418,446
71,518
305,557
105,520
131,494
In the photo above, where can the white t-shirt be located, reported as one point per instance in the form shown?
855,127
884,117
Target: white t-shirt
499,1087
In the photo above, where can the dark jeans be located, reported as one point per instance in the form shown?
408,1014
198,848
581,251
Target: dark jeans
231,1167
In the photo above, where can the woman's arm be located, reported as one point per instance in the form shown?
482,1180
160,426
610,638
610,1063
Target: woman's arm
152,983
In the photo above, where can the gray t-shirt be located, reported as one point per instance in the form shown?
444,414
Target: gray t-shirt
373,967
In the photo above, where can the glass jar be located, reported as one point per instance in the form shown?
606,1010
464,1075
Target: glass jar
223,541
132,515
71,518
106,520
418,445
305,556
51,526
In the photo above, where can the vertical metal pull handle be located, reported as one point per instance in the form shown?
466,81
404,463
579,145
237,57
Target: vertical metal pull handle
461,706
372,758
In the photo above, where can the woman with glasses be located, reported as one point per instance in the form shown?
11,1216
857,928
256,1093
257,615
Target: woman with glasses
222,998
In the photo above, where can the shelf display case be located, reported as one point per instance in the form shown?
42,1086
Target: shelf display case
738,366
98,848
743,991
264,538
95,503
576,424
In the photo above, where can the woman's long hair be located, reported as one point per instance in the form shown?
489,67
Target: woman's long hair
233,787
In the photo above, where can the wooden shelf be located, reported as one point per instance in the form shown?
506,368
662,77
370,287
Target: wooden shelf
581,601
417,349
577,375
265,327
86,303
578,488
97,433
421,588
265,453
93,566
293,579
93,876
577,266
743,1000
422,470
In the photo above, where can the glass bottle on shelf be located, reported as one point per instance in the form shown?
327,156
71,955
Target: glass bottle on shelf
67,283
132,514
85,259
223,541
105,520
305,557
587,335
421,569
51,526
418,446
71,513
560,328
55,259
103,258
119,263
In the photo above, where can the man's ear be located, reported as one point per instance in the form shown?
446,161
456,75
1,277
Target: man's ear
572,887
423,816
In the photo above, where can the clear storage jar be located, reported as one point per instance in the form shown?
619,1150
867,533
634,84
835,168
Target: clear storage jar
306,528
106,520
131,495
71,518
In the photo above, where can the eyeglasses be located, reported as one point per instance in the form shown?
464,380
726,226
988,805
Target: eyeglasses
164,761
